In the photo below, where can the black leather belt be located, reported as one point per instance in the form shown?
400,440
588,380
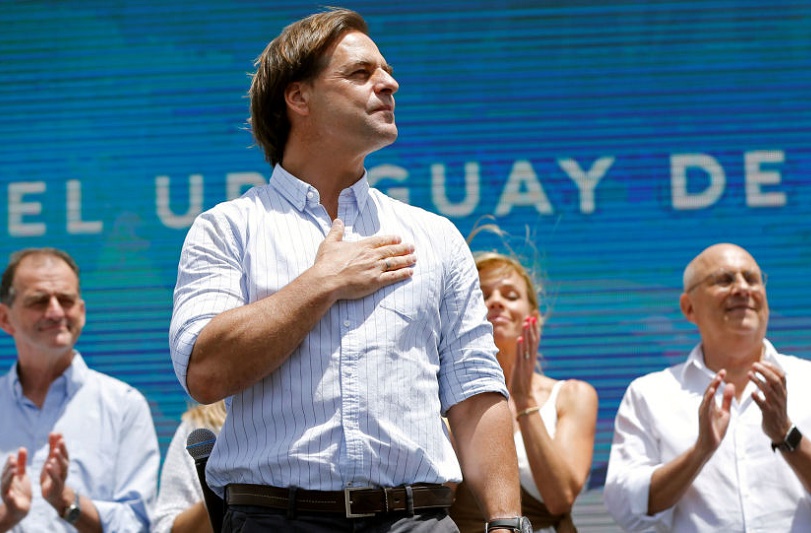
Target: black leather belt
353,502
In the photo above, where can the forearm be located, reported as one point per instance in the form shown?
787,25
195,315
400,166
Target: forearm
800,461
193,519
482,428
558,473
89,519
263,334
671,481
561,465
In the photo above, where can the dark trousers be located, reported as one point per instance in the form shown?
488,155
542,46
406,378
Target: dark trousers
250,519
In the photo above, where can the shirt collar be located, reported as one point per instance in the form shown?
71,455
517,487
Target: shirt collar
770,355
696,359
300,193
76,374
71,379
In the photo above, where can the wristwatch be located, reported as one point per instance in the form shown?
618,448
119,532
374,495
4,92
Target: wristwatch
791,442
519,523
72,512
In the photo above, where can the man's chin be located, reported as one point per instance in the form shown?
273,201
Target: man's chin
389,134
61,342
745,325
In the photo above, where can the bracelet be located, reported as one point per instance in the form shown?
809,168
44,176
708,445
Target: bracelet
527,411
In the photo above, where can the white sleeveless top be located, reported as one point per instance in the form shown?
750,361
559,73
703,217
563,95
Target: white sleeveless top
549,415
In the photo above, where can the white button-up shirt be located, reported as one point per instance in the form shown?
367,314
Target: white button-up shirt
745,486
358,403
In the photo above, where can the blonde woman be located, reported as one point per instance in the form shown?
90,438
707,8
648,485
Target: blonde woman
181,508
555,421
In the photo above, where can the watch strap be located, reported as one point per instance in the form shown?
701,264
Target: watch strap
504,523
517,523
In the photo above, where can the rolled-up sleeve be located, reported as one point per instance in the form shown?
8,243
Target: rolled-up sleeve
467,350
633,459
136,473
210,280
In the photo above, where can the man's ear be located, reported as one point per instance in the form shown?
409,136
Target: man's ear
296,96
5,323
686,305
83,313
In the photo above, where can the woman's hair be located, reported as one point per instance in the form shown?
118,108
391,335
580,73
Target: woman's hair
210,416
498,261
510,261
295,55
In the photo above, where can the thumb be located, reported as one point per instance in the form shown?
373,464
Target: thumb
336,232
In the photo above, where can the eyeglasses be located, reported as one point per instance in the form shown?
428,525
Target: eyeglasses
725,279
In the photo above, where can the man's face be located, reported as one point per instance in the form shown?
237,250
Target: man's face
727,295
47,315
351,102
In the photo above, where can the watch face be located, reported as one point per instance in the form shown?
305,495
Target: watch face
526,526
793,439
72,514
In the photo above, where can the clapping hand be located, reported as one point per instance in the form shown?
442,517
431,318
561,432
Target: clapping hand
771,397
526,358
16,488
55,472
713,420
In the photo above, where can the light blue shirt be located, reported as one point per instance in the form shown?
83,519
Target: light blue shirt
358,403
111,444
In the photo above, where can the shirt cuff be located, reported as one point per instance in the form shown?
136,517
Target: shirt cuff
639,495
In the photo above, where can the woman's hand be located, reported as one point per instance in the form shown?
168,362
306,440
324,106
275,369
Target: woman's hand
526,358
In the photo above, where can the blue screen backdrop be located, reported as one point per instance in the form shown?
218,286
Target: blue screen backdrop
619,138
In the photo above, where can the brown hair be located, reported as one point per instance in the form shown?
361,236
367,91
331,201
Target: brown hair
486,260
295,55
7,282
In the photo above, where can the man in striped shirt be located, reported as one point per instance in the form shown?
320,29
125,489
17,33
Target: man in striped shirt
338,323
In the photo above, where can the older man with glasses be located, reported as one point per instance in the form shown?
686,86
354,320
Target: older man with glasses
716,443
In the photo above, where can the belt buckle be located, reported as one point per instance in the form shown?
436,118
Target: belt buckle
348,503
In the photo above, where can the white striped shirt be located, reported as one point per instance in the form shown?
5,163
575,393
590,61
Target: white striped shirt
358,403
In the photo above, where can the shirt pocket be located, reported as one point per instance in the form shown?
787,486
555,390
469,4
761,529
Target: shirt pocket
413,299
408,311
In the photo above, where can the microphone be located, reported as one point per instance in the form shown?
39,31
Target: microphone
199,444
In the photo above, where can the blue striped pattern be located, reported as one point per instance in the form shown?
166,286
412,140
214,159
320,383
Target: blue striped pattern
358,403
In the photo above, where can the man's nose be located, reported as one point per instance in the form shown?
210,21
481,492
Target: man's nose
386,82
740,283
54,308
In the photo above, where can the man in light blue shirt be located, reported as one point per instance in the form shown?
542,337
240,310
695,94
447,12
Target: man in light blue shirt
340,324
80,446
